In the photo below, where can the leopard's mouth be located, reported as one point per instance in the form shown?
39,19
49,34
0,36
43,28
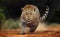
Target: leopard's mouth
28,21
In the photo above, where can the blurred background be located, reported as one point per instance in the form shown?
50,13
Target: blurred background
10,11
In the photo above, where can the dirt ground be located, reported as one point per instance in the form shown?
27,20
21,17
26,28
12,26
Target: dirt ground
54,31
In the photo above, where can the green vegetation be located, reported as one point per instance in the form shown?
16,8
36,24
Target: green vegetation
10,24
2,17
53,24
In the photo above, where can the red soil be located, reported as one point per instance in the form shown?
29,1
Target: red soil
15,33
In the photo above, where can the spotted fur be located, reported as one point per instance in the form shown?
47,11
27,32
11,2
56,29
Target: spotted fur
29,19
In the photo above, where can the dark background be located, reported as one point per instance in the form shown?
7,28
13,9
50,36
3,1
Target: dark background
12,8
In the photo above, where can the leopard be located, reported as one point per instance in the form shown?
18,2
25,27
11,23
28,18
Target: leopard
29,19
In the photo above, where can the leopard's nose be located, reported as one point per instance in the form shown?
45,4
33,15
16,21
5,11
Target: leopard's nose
28,20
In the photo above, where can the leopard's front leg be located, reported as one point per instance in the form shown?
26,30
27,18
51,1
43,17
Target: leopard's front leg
23,28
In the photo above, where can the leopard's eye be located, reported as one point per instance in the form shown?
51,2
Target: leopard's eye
33,13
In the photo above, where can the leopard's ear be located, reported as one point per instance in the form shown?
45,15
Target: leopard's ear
22,8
